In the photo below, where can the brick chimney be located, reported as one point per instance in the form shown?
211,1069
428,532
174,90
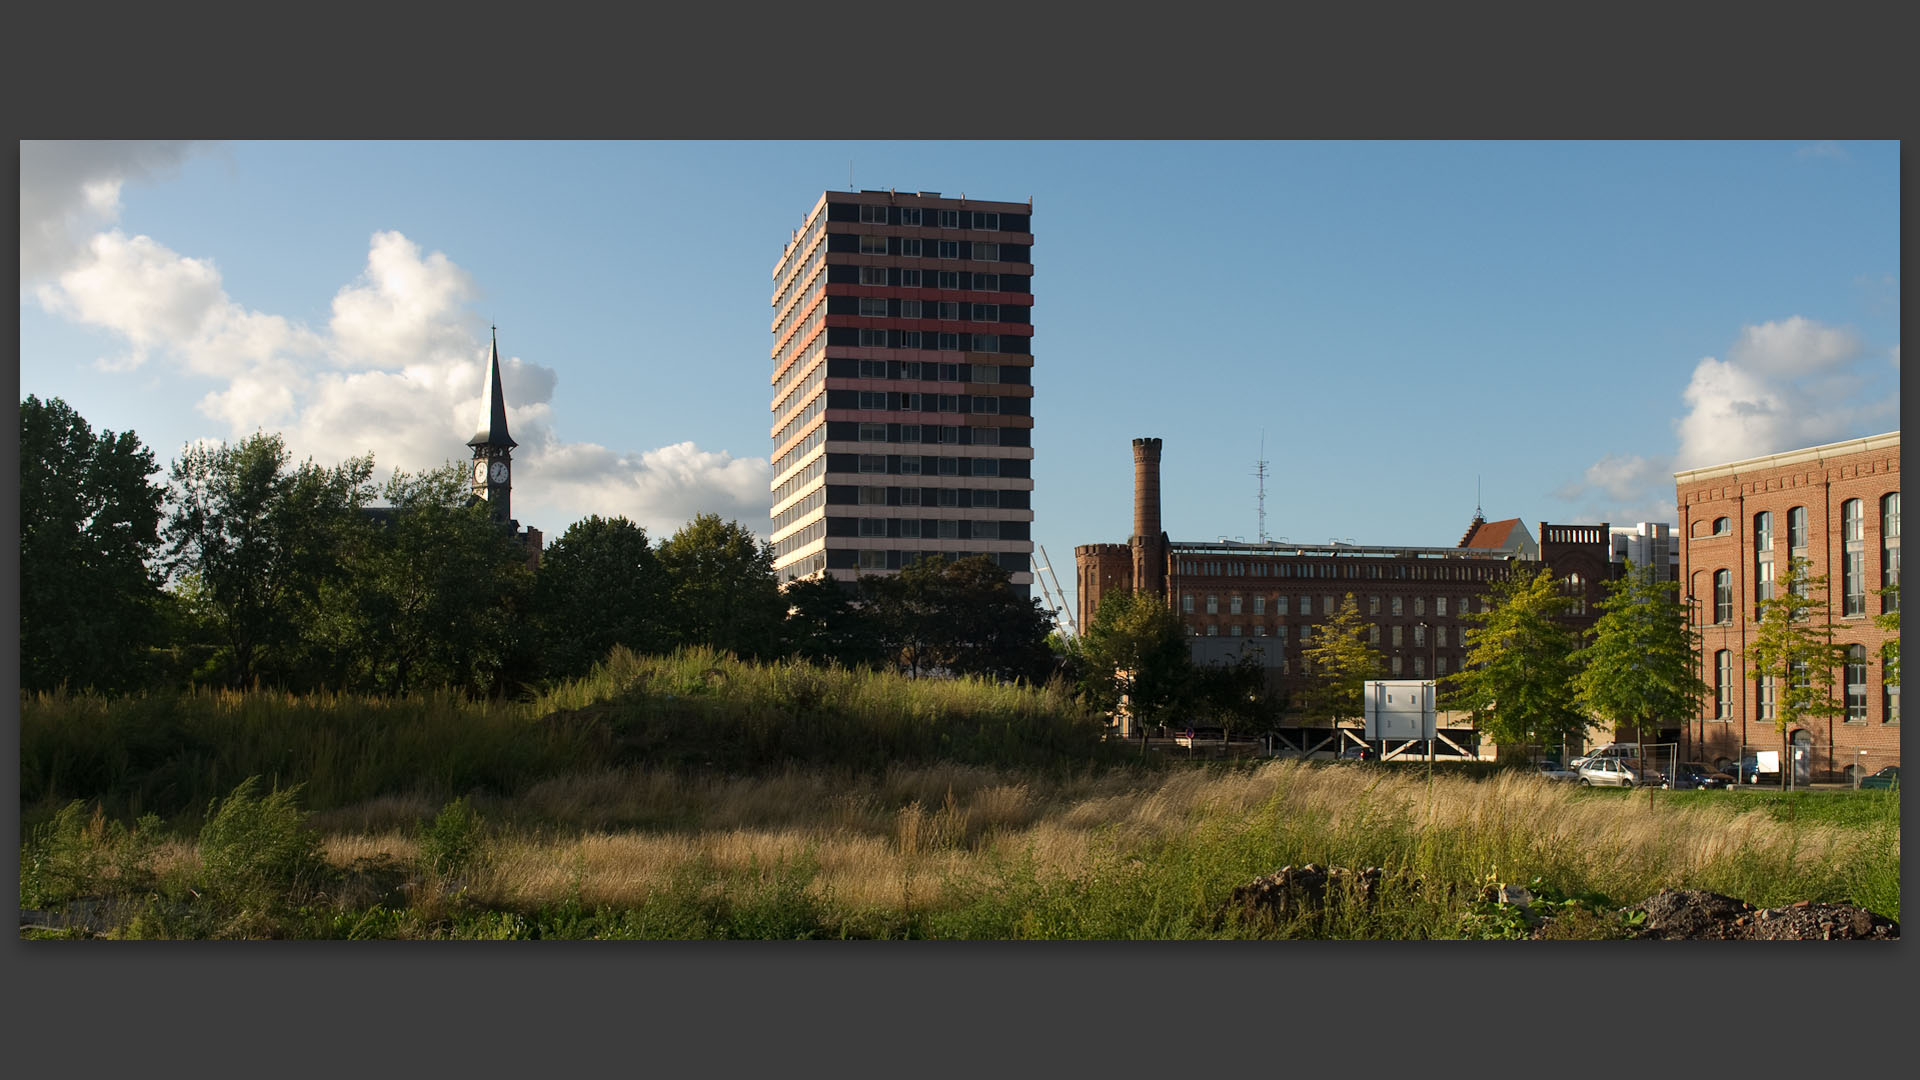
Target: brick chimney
1148,542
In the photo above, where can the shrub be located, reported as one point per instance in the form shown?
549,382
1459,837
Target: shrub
257,850
451,843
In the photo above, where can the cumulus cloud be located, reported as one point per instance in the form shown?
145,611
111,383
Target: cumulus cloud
69,190
1783,385
398,372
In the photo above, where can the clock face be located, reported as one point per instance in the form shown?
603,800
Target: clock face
498,473
479,472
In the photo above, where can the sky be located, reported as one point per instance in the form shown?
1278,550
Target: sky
1400,331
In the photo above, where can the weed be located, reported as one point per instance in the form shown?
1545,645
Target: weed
256,850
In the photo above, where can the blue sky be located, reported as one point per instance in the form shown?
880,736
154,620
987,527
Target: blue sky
1566,322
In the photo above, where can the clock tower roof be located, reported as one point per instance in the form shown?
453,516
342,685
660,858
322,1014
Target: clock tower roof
493,412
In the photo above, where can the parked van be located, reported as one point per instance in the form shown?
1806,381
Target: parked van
1620,751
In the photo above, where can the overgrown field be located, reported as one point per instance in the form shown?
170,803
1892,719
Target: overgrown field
835,806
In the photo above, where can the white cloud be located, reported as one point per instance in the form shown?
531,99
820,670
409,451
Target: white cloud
398,373
1783,385
68,190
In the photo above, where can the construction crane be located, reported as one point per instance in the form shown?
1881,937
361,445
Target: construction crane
1055,598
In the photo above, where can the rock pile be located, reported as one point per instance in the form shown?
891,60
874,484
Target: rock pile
1294,890
1691,914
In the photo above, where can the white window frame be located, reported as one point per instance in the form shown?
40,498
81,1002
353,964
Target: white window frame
909,339
910,215
873,307
872,559
873,399
910,496
949,249
984,313
873,275
873,244
873,464
873,214
909,247
950,342
986,252
986,282
949,219
948,279
986,436
872,496
873,369
873,528
873,433
875,338
909,309
986,220
909,528
909,279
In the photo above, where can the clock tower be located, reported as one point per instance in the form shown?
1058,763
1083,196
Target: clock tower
493,447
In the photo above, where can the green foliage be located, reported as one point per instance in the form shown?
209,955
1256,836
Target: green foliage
436,593
1518,674
961,617
263,545
1799,655
77,854
1134,655
599,586
827,623
257,850
723,592
1339,662
453,842
89,525
1641,669
1889,621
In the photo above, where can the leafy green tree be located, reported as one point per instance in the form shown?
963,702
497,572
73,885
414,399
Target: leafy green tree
1641,667
722,591
262,542
599,585
1796,653
1134,656
1889,620
828,624
89,525
1234,695
1519,670
441,593
1339,663
988,630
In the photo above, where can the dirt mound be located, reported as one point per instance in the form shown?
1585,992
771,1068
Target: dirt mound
1692,914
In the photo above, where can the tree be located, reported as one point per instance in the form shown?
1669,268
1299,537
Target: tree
1889,620
599,585
722,588
1234,695
959,616
1339,662
89,524
441,592
1795,654
1642,666
1135,657
827,624
261,543
1518,676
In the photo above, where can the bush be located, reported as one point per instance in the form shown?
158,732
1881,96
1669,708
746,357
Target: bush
257,850
75,855
451,843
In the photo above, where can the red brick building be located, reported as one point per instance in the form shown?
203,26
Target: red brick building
1837,506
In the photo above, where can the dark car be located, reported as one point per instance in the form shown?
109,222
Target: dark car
1698,775
1887,779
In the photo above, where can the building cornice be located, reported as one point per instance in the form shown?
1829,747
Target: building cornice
1869,444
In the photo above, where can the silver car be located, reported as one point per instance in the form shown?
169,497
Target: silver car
1612,772
1551,770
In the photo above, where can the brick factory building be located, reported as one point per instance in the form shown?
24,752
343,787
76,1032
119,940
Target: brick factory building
1268,598
1838,506
902,385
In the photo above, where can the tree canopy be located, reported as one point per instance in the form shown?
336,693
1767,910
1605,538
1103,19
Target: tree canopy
1518,674
600,585
1134,654
723,590
1794,653
1642,666
89,527
1339,662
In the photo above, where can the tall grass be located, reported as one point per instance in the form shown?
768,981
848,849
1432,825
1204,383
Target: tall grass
696,709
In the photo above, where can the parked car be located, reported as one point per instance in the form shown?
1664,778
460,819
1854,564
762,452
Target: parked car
1747,771
1887,779
1613,772
1552,770
1689,775
1357,753
1617,751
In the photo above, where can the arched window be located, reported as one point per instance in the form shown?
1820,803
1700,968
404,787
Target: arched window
1576,591
1723,596
1797,532
1722,526
1853,558
1762,560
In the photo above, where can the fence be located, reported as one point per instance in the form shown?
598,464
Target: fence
1807,763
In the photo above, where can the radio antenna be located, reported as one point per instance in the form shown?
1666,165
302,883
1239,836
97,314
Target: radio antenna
1260,470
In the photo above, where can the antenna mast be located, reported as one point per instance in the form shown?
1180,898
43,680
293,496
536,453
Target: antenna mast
1260,470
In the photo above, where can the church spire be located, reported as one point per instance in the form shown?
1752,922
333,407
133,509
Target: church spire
493,412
